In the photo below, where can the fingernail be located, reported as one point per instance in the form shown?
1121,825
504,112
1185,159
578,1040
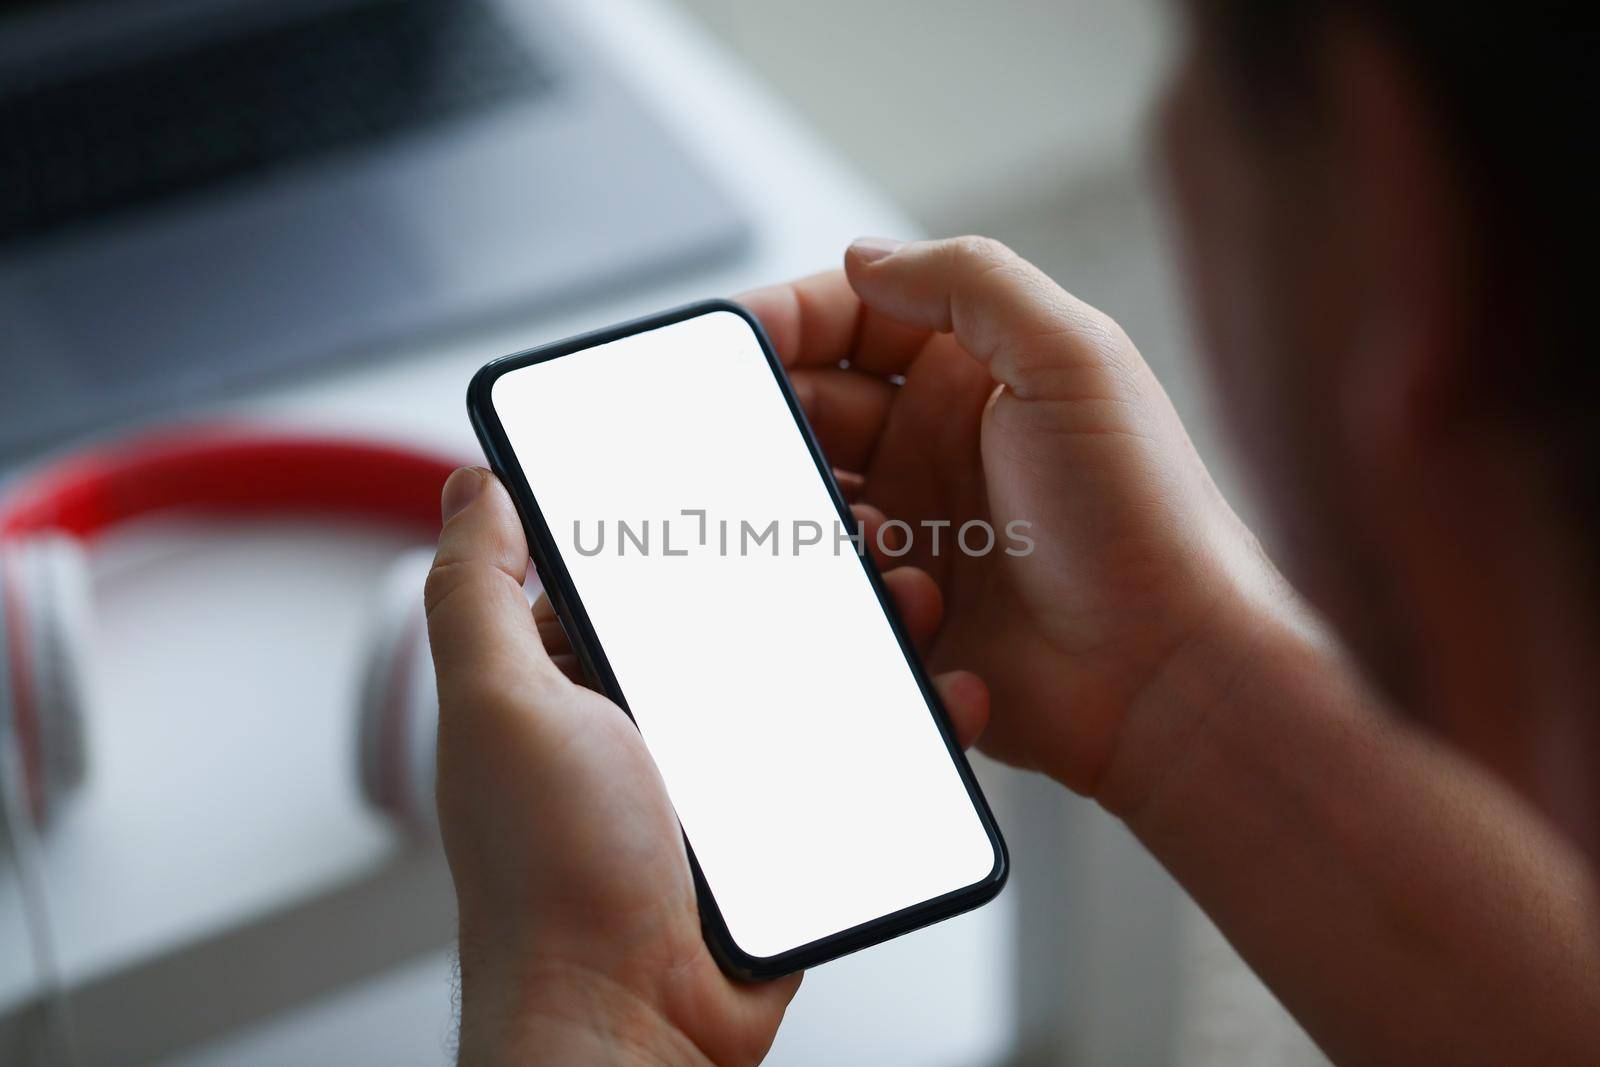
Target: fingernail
461,489
872,249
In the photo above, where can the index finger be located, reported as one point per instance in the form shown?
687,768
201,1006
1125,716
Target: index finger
1033,336
819,321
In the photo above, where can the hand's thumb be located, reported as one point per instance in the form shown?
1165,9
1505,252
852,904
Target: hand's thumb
1035,338
485,643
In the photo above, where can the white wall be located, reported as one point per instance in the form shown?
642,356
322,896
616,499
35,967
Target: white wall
948,103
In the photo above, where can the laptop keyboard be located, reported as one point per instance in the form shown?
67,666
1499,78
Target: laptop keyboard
78,147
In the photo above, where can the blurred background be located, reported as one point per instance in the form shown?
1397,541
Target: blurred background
314,219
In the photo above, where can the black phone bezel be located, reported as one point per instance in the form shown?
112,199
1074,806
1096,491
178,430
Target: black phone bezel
586,644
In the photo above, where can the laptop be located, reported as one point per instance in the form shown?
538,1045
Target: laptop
199,195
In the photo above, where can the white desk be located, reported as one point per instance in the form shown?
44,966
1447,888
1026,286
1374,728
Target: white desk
220,870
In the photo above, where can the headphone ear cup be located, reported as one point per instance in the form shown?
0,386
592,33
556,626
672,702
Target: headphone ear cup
399,701
44,591
64,661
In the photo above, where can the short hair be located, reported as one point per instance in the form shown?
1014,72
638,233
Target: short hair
1512,88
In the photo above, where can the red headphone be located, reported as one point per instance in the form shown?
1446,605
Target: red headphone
47,516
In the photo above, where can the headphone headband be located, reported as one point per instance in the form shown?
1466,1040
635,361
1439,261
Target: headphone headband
230,471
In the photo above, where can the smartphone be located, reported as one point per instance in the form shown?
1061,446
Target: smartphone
694,543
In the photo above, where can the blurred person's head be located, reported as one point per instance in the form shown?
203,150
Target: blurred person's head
1384,215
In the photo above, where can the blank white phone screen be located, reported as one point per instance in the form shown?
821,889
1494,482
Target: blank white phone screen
804,764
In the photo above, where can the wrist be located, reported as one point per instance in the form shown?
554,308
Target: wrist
551,1012
1252,647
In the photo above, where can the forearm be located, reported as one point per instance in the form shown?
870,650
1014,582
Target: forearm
1401,903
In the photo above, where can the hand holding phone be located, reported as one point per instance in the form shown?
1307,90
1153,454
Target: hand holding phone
582,915
999,413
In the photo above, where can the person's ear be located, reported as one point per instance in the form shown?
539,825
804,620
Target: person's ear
1404,206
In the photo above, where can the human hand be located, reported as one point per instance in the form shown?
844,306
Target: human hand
580,934
1019,402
